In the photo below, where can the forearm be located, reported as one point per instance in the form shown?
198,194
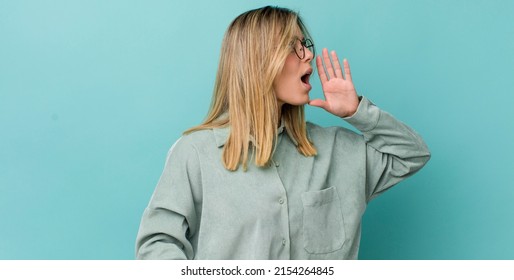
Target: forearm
394,150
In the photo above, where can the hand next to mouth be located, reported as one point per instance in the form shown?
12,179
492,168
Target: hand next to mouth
340,96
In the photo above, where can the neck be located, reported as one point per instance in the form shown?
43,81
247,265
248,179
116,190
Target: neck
279,113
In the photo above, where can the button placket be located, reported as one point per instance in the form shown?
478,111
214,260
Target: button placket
282,199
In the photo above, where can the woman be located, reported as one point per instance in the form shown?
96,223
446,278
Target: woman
255,181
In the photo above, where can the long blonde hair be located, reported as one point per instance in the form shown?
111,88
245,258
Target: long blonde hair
253,53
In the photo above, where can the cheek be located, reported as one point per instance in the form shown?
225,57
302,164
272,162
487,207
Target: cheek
291,65
283,86
288,76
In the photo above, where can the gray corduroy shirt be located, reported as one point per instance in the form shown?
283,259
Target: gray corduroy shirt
298,208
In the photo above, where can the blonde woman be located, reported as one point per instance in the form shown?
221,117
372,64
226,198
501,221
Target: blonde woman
255,181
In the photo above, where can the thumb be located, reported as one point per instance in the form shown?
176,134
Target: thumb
319,103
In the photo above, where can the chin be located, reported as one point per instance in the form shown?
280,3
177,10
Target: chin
299,102
299,98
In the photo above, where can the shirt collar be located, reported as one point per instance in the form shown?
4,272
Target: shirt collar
221,134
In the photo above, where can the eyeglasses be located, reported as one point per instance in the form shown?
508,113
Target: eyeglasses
300,49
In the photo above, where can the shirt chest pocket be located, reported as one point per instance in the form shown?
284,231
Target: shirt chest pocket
323,222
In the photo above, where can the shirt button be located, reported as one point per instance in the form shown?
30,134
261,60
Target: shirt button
283,242
277,164
281,201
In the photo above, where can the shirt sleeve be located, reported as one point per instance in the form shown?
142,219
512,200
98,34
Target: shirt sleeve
170,218
393,150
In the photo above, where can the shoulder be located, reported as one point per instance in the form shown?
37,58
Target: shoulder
194,140
187,151
335,133
193,143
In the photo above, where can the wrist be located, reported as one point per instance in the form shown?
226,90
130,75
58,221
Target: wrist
367,116
351,113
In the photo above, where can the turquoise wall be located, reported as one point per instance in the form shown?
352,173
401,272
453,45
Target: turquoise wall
93,94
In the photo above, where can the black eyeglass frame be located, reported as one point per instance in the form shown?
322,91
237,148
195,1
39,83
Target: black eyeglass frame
305,43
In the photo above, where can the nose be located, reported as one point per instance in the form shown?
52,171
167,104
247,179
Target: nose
309,56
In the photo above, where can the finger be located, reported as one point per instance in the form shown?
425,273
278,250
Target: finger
321,71
337,66
319,103
347,72
328,64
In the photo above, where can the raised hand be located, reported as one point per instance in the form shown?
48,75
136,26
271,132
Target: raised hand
340,96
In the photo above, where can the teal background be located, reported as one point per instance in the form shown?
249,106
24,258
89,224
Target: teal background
93,94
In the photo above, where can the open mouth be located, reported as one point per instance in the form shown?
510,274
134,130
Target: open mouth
305,78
